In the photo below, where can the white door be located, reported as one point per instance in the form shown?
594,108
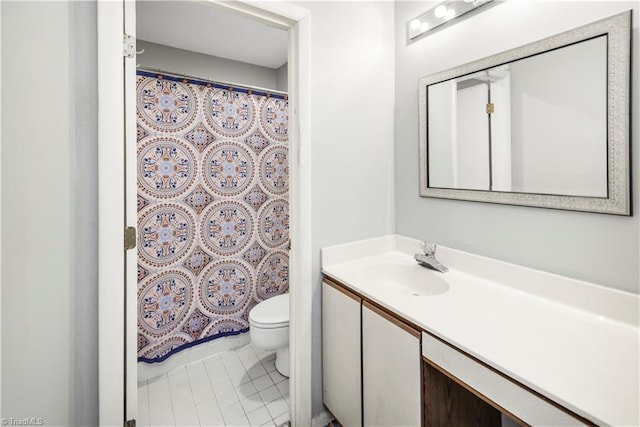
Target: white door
116,199
473,171
117,205
131,218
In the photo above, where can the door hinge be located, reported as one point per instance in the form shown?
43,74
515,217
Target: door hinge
128,46
129,238
490,108
130,423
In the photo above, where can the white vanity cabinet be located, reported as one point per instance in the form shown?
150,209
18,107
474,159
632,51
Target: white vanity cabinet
341,354
390,370
499,345
371,362
381,370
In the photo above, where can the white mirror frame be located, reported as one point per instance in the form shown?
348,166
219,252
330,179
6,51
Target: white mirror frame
618,30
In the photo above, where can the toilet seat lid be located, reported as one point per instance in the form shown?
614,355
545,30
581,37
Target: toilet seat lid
271,313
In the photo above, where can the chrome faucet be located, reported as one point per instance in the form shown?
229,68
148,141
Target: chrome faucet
428,257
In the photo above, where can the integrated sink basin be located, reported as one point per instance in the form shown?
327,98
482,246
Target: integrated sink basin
570,330
409,279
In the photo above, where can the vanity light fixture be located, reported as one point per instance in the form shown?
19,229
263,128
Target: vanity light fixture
441,14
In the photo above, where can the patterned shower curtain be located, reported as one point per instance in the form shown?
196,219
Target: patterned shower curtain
213,212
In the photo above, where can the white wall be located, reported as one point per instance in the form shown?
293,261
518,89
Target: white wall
351,135
559,109
282,78
599,248
205,66
49,287
37,207
442,155
84,226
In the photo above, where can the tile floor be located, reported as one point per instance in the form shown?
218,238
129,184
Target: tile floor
233,388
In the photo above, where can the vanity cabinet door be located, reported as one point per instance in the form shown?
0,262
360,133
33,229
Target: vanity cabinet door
390,370
341,354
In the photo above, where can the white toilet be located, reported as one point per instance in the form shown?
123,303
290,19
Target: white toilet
269,329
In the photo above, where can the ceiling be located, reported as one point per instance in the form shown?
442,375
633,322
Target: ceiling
203,27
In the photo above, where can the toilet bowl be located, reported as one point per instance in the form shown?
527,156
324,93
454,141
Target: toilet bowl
269,329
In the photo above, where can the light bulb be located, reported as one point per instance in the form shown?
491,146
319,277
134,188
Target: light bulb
415,25
440,11
450,14
424,27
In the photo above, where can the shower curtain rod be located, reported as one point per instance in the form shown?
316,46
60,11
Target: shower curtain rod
208,80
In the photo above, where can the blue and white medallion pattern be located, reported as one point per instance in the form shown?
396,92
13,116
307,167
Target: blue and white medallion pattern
230,113
166,233
273,275
163,302
226,228
274,118
213,213
165,104
166,168
274,223
226,287
274,170
228,169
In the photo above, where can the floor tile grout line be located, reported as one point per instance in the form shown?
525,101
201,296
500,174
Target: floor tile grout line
145,387
193,396
236,387
165,377
265,361
173,415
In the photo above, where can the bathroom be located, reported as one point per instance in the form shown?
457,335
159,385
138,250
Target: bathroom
361,157
210,371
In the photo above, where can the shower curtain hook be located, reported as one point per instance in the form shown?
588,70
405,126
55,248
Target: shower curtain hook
141,52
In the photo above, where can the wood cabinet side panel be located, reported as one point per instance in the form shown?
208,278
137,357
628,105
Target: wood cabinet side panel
446,403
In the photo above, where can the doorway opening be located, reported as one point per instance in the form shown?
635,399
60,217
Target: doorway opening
213,213
118,374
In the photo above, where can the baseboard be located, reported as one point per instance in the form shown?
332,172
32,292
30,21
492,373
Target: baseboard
322,419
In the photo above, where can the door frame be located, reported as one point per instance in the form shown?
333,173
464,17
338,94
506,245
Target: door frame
0,212
112,300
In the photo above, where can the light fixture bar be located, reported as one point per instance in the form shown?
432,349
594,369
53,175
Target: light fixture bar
441,14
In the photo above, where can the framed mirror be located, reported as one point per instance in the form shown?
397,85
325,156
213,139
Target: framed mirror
544,125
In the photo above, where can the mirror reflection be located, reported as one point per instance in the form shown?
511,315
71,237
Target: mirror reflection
533,125
545,124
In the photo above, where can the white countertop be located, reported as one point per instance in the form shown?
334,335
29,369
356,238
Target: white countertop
574,342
